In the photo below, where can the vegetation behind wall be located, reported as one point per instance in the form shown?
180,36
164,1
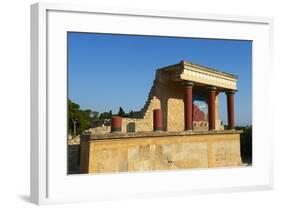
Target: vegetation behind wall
246,143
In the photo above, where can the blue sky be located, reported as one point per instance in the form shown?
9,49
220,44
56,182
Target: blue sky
108,71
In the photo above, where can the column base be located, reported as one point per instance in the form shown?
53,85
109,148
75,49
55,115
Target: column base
115,129
232,129
158,129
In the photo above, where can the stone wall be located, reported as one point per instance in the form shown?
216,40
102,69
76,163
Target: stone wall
160,151
146,122
73,140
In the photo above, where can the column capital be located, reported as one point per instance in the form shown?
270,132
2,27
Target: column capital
187,84
211,88
230,92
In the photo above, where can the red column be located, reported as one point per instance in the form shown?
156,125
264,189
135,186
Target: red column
116,124
230,109
157,120
188,106
212,108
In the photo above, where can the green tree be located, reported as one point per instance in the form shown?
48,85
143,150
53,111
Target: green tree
121,112
106,115
131,114
246,143
94,115
78,120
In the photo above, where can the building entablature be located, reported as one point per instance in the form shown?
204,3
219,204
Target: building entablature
200,75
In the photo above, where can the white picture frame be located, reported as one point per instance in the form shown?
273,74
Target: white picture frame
49,180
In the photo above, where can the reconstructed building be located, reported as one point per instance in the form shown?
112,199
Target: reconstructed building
178,127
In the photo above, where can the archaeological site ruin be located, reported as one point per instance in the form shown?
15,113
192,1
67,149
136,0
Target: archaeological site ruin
179,127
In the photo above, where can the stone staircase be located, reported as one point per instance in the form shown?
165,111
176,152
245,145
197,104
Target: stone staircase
147,107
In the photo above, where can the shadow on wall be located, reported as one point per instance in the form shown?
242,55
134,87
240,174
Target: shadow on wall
131,127
73,163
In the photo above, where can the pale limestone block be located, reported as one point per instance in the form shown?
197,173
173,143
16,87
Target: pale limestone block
226,153
133,153
144,152
123,166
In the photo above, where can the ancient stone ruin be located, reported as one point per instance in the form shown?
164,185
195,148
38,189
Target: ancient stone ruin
179,126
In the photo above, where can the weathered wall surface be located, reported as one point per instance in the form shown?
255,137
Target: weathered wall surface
171,97
146,122
160,153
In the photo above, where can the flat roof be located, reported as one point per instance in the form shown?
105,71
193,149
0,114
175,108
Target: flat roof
188,63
